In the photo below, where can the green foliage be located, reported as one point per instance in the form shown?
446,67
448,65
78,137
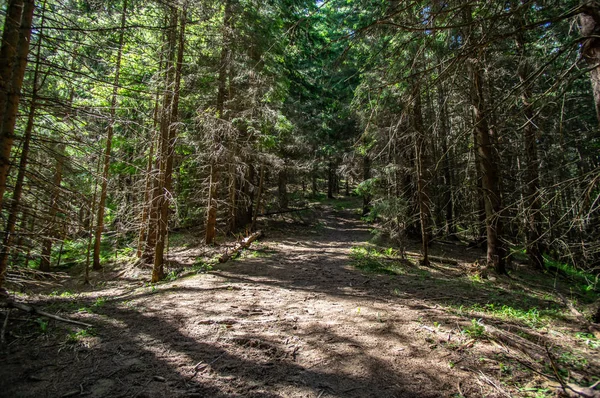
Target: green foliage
202,267
100,302
172,276
532,317
75,337
589,339
367,187
572,360
586,282
371,260
63,294
43,324
475,330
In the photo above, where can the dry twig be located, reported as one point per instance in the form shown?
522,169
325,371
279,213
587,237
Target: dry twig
33,310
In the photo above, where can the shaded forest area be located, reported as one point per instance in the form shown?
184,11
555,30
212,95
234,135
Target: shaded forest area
141,141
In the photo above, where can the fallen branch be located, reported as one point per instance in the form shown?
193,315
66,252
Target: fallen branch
283,212
35,274
243,244
555,370
571,389
515,342
33,310
443,260
20,276
491,382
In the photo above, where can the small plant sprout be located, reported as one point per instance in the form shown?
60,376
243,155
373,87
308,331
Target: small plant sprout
476,329
42,324
100,301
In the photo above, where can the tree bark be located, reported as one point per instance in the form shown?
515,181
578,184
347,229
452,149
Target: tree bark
8,240
366,207
53,209
211,214
15,43
330,180
145,203
532,193
490,180
233,210
313,179
8,51
258,196
446,164
9,233
420,169
485,153
149,179
282,188
109,136
589,26
167,154
162,141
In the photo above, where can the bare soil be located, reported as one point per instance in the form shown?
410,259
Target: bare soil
294,318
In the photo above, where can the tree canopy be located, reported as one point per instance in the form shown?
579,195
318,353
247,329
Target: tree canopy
123,120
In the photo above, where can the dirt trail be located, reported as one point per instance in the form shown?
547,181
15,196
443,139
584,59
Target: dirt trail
292,319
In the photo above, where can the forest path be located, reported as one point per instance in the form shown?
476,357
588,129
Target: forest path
295,318
292,318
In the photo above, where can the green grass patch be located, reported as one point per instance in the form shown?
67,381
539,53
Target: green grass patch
589,339
532,317
586,283
75,337
475,330
371,260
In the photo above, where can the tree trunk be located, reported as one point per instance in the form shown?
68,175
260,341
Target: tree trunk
490,181
446,164
313,177
532,194
9,233
258,196
211,216
15,43
420,162
167,155
282,188
109,137
145,203
589,26
244,210
8,51
162,141
366,208
149,180
485,155
233,210
330,180
53,209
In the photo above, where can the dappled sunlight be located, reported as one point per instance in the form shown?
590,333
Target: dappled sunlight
298,317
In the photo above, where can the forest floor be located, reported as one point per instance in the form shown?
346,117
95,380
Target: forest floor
311,310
